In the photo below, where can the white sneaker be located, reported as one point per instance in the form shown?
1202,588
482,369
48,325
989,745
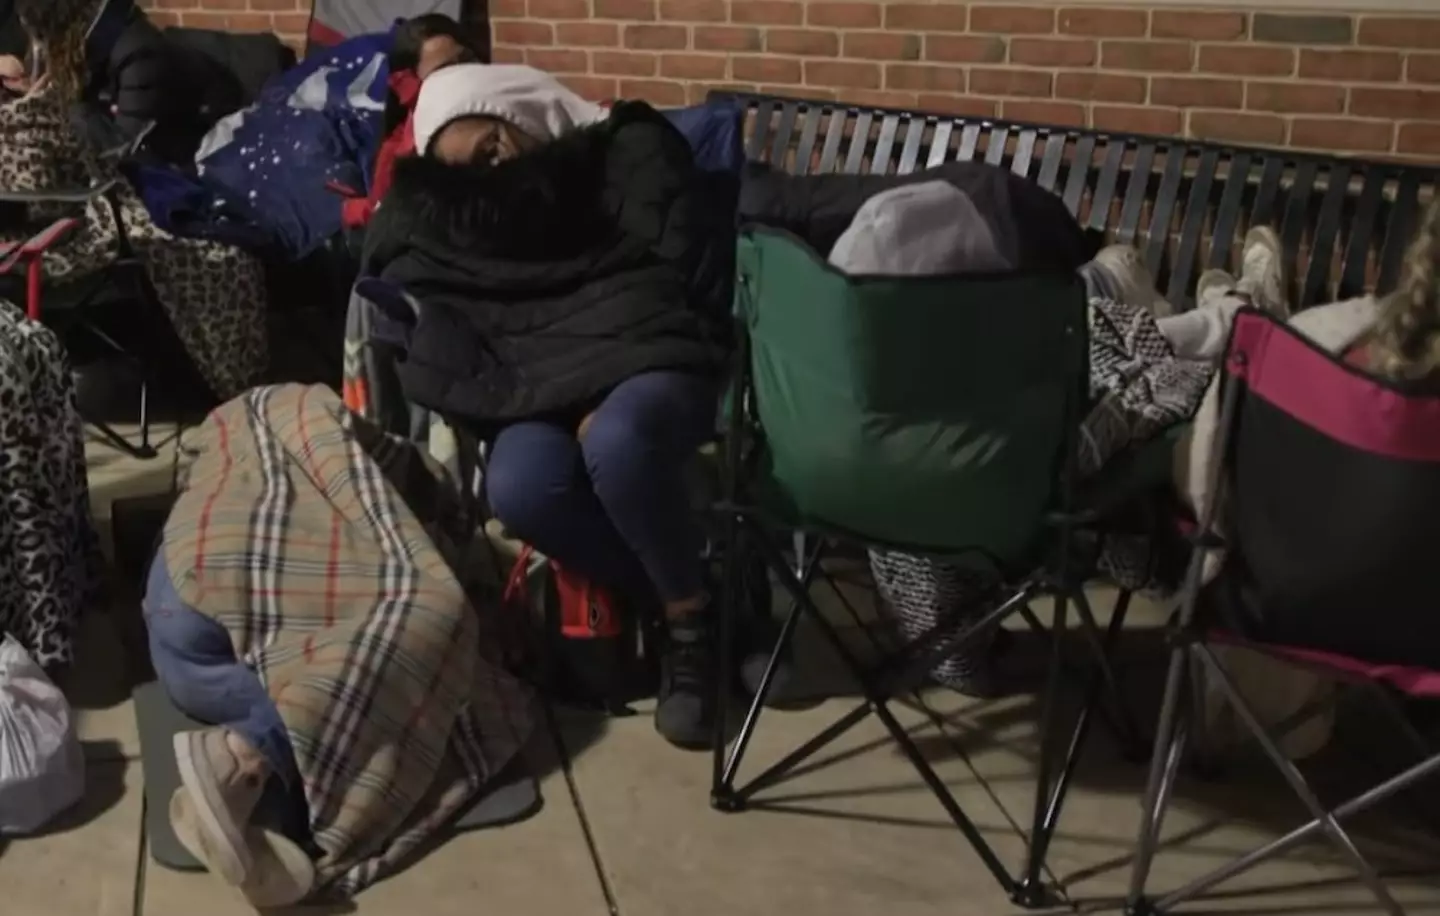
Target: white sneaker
282,874
1214,285
1262,275
1135,284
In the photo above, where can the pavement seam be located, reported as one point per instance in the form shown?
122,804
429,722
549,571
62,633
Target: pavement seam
611,902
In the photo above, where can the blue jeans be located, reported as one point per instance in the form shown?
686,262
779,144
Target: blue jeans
196,664
613,507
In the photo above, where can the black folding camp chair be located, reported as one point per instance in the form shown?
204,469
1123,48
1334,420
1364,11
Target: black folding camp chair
937,415
1330,483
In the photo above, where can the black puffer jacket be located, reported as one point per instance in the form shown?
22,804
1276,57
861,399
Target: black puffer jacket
549,279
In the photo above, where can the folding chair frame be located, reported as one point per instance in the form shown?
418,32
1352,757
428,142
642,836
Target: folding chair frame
745,528
1190,654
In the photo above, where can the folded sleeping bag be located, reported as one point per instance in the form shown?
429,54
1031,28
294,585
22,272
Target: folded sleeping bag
315,124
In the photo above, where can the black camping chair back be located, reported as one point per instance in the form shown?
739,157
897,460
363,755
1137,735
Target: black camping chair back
1330,483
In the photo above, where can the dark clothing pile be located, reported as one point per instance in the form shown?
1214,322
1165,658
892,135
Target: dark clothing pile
547,280
1031,227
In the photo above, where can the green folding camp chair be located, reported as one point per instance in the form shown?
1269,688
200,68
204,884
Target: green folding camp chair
936,415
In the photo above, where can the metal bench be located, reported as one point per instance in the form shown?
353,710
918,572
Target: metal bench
1344,224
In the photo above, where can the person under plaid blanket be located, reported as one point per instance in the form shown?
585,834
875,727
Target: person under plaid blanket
302,602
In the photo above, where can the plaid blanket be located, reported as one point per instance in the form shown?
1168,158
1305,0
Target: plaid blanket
316,541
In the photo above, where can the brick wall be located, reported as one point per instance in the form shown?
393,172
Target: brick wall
1358,83
286,18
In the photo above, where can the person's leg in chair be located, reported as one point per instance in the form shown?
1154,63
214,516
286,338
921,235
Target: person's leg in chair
636,446
225,770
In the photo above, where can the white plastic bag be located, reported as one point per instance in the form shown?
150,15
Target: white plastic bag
42,767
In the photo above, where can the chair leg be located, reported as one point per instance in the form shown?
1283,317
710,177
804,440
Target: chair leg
1031,892
1163,760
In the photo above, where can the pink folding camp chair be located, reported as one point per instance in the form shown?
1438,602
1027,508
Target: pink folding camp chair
1329,480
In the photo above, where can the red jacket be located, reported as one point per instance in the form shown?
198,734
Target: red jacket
356,211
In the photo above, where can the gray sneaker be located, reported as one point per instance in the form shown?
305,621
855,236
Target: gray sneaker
1262,275
223,794
1214,285
1133,282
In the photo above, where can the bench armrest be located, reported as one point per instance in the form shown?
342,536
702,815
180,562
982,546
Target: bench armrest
129,148
65,196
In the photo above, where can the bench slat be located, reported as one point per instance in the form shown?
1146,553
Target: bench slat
1362,227
969,140
914,134
940,144
1263,213
1296,214
1079,174
1137,189
995,151
760,129
1050,165
859,139
1327,230
1164,212
1024,152
885,146
1194,227
833,135
783,131
1105,188
806,149
1227,217
1398,232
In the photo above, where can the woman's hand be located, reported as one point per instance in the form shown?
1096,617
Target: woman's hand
12,74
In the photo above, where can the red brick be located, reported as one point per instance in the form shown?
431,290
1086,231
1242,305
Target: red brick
506,9
964,49
842,74
727,38
693,66
636,10
843,15
656,92
1247,61
1196,25
587,34
1097,87
1012,20
1136,120
1401,104
959,105
1064,114
1162,56
657,37
1105,23
878,98
766,69
693,10
594,88
620,63
510,32
1399,32
987,81
926,17
1359,66
1342,134
922,78
1238,128
1053,52
1423,68
554,9
802,42
882,46
1196,92
556,61
767,12
1421,139
1300,98
504,54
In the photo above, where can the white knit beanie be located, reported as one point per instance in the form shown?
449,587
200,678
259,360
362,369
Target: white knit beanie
531,100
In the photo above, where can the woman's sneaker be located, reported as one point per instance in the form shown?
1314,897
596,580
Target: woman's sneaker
685,708
224,792
282,874
1131,283
1215,285
1262,272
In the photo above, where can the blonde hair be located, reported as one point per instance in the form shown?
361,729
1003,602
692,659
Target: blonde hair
61,26
1405,342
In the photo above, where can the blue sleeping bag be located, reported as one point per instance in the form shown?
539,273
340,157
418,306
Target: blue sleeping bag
317,123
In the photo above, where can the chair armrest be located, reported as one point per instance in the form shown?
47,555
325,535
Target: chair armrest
66,196
12,254
130,147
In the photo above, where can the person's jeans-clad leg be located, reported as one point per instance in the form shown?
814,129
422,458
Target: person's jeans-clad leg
616,496
196,664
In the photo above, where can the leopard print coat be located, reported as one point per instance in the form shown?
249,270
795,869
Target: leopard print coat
49,553
214,294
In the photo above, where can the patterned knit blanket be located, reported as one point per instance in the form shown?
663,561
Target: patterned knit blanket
303,531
